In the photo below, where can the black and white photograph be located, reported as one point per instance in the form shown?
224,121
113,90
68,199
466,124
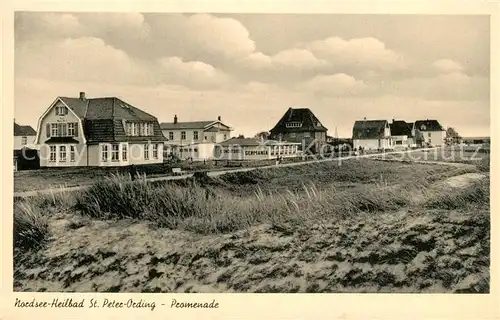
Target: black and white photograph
205,152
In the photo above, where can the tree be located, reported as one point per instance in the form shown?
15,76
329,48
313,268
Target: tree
263,135
452,135
240,136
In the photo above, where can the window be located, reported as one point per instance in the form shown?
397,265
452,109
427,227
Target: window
62,153
61,110
294,124
135,129
128,126
24,141
53,130
212,138
146,152
429,134
206,138
115,152
71,129
151,131
195,135
104,152
225,136
307,134
292,135
142,129
183,135
124,152
170,135
72,153
53,154
155,151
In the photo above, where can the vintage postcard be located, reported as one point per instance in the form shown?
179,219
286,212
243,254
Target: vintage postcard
186,161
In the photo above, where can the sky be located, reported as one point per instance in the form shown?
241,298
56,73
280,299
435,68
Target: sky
250,68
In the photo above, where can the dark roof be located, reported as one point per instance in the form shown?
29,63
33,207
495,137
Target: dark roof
368,129
428,125
105,108
23,130
61,140
185,125
303,115
104,119
400,128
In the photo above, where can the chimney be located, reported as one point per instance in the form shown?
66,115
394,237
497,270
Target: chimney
175,119
219,118
82,95
364,118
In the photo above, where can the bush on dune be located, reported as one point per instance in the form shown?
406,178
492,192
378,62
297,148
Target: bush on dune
203,210
477,193
31,226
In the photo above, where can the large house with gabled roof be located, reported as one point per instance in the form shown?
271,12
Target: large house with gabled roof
104,131
300,125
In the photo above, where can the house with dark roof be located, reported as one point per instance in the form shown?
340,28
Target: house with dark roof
401,134
104,131
300,125
24,136
25,153
194,140
433,133
255,149
372,135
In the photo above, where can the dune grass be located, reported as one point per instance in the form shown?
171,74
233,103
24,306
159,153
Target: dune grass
206,207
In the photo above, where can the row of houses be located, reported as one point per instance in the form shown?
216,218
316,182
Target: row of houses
107,131
398,134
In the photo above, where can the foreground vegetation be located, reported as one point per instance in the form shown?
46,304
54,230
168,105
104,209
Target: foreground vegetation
362,226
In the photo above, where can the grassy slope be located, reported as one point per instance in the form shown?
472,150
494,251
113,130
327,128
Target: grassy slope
317,240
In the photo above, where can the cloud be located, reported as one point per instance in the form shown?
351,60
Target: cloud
81,59
447,66
359,53
455,86
190,73
333,85
46,25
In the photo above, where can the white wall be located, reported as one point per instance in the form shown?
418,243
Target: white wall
52,117
203,136
80,155
258,152
29,139
136,153
373,144
399,142
435,138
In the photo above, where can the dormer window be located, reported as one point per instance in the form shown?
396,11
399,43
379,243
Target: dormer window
294,124
61,110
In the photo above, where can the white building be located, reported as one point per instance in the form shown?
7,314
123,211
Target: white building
372,135
194,140
433,133
401,134
24,137
254,149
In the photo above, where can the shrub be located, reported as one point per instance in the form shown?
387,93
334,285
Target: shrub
477,193
30,226
484,164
